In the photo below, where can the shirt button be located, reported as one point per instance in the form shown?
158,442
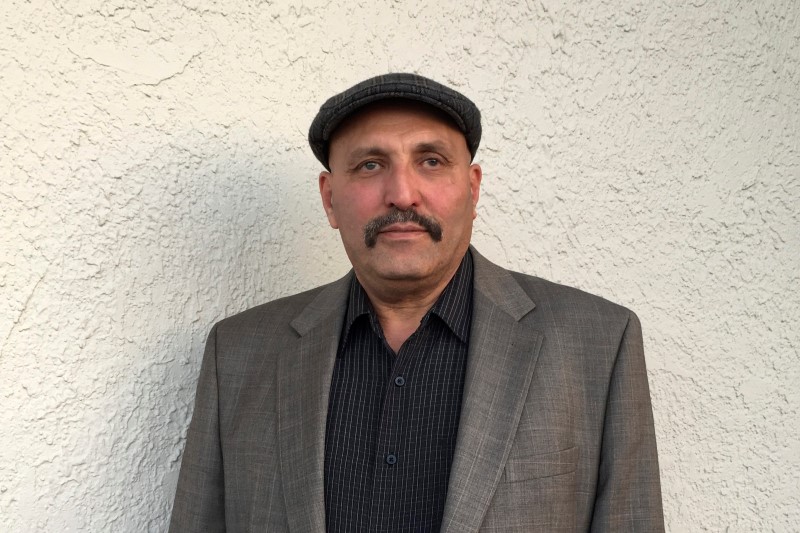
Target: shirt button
399,381
391,459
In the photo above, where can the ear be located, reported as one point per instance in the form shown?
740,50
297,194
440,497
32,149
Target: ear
475,176
327,197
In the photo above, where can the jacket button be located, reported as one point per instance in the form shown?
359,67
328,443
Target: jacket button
391,459
399,381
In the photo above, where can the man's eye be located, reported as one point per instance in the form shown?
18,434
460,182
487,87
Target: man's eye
369,165
432,162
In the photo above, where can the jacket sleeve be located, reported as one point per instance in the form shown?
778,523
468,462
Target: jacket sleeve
628,487
199,499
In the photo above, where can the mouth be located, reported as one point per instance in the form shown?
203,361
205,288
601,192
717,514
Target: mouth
402,228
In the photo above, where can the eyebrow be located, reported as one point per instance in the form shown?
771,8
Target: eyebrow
376,151
367,151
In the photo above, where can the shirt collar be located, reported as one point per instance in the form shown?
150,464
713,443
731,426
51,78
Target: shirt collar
453,307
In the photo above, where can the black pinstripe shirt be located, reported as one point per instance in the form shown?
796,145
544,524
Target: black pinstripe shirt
393,419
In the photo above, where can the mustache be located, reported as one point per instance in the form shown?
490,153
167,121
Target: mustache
396,216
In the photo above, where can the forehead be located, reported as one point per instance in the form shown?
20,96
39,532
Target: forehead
381,117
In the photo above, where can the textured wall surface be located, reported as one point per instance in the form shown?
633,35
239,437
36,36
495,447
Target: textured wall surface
154,177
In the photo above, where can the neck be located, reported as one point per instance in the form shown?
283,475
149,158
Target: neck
400,305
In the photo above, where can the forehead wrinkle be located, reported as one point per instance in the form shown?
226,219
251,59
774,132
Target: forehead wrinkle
385,133
433,146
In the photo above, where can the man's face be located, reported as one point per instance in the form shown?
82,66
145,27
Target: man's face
402,193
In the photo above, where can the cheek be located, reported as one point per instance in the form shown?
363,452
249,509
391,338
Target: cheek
351,217
356,205
454,207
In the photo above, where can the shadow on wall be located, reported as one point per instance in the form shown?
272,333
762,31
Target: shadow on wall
196,231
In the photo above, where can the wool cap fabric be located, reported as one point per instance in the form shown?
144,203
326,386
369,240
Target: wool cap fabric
405,86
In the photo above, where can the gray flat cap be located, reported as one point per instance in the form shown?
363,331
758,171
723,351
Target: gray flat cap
461,109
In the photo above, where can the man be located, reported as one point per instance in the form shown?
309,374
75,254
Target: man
429,389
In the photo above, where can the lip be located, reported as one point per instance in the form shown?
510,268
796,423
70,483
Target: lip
402,232
403,228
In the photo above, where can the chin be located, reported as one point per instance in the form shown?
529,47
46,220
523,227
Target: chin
410,264
398,273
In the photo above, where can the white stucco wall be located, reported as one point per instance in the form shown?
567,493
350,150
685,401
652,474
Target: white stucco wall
154,177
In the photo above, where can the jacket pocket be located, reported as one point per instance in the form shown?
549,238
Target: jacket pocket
541,465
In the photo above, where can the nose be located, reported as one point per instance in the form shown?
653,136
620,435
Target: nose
402,188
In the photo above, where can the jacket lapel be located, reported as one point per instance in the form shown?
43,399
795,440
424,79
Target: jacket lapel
303,389
502,356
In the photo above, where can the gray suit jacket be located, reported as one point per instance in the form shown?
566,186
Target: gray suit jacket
556,431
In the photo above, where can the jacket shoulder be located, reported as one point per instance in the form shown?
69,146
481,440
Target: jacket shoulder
560,303
565,303
273,314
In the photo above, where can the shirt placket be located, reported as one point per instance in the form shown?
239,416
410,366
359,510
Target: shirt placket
391,447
